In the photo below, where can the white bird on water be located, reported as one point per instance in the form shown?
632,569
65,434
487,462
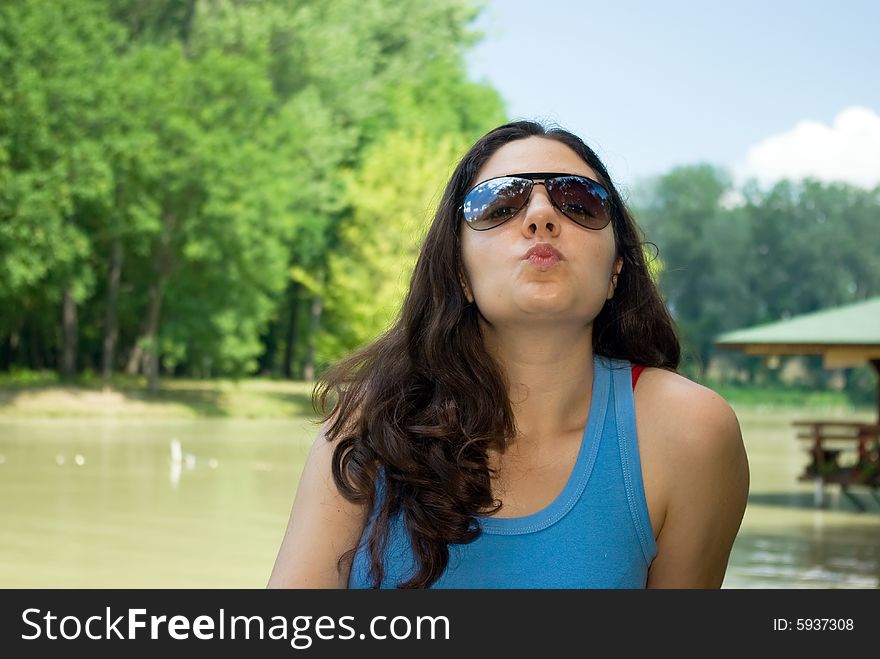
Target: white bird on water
79,459
178,456
180,459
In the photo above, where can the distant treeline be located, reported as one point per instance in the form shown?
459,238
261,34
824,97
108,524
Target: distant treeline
731,258
224,187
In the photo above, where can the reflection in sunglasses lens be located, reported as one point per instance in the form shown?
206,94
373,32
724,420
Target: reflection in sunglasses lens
580,199
493,202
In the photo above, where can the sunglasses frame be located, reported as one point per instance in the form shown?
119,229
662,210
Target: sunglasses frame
539,178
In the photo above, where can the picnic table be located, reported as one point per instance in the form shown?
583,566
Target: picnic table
846,453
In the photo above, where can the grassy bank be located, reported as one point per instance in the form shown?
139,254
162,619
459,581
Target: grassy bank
43,395
129,397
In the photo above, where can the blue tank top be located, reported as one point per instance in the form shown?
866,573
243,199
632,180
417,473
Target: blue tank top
595,534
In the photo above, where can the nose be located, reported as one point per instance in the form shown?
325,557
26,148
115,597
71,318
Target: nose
540,217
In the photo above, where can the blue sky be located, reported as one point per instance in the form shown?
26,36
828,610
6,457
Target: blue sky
762,88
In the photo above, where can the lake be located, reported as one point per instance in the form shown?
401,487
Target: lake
204,503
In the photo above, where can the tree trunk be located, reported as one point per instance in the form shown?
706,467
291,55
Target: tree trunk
110,317
68,331
291,336
706,352
151,333
11,349
135,356
6,351
157,291
309,366
39,353
269,339
146,349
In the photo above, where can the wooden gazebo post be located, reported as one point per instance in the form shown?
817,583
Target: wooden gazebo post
876,364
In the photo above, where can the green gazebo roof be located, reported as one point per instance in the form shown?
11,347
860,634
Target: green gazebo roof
856,324
845,336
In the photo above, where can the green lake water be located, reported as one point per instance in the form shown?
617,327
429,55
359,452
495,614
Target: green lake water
106,503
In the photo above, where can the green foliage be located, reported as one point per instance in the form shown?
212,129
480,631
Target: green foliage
224,148
23,378
53,177
784,396
699,243
791,249
393,198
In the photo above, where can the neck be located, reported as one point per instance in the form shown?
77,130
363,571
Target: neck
550,373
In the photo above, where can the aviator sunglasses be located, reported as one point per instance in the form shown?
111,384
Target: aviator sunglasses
493,202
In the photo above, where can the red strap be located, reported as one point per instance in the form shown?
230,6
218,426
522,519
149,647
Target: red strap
636,372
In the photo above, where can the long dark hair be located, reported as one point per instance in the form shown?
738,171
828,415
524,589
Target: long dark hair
425,402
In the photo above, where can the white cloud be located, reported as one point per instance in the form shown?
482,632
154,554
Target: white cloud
847,150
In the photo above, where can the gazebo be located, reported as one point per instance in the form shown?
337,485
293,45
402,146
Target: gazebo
845,336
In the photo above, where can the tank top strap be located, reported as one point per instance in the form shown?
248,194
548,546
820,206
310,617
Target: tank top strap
624,411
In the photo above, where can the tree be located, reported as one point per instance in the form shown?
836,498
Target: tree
700,243
56,182
177,176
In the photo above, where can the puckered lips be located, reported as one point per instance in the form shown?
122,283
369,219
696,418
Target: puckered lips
543,256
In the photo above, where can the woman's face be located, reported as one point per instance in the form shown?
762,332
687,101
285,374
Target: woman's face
508,288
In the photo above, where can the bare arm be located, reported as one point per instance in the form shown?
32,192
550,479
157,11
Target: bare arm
706,504
323,525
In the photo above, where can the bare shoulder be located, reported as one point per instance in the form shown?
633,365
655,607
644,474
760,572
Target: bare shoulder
691,415
696,451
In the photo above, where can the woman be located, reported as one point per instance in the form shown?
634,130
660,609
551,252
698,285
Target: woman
494,437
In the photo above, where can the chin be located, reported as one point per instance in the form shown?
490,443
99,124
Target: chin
531,311
546,306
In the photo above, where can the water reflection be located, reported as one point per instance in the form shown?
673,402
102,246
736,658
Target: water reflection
204,503
856,500
843,556
130,514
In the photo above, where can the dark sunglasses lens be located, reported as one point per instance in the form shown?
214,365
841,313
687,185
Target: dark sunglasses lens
581,199
495,201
